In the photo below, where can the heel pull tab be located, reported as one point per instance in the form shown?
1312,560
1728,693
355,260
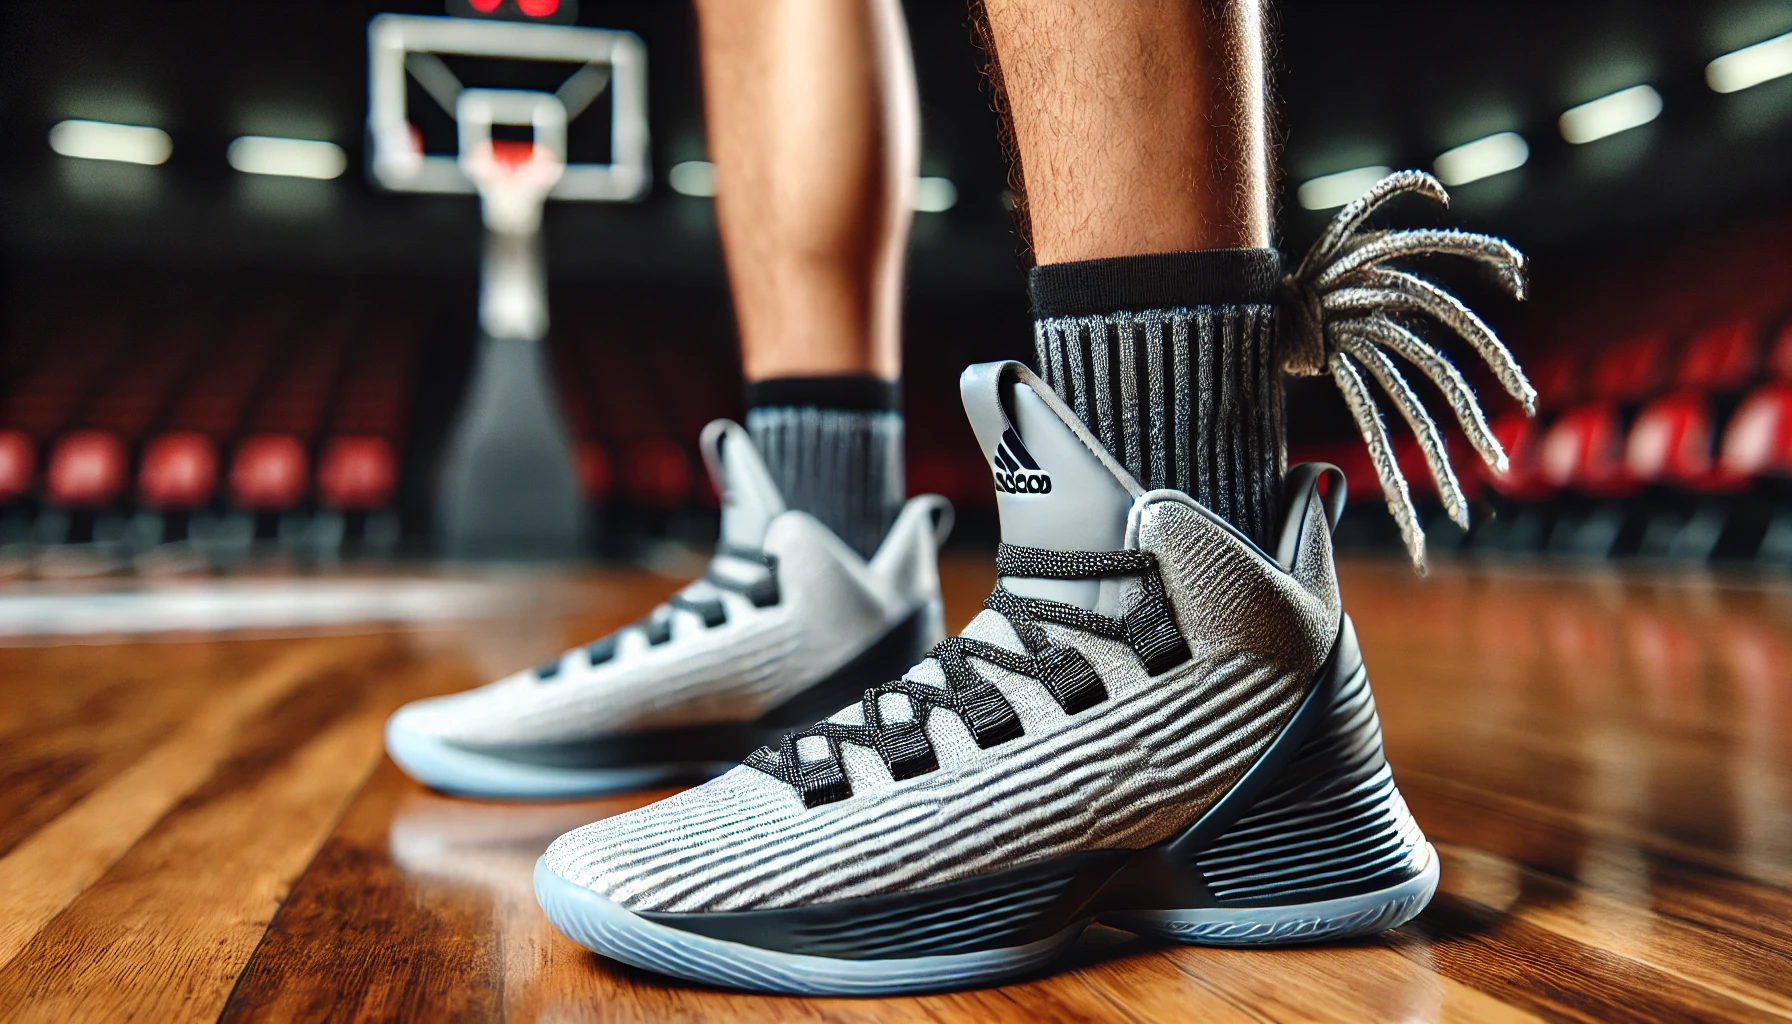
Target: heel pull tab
1301,488
941,516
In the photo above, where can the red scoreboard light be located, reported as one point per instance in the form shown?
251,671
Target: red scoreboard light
551,12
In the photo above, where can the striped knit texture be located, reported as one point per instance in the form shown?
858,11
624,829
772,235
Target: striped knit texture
1127,773
1189,399
842,466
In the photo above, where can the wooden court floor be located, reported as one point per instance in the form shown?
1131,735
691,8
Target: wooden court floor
206,828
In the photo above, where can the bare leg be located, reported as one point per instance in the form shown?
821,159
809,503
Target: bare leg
1141,126
814,129
1142,133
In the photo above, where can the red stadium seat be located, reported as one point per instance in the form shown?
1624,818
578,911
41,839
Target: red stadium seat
1583,450
357,474
1628,370
179,471
1779,356
1556,376
963,478
1463,460
1411,460
87,470
1758,441
1671,441
1718,358
268,473
658,474
592,460
18,464
1523,479
512,154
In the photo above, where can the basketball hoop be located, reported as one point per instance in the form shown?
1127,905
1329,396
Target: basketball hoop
402,45
507,484
514,178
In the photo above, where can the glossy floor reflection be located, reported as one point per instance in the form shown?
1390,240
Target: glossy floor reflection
207,827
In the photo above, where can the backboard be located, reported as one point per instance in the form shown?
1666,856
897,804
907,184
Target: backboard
598,61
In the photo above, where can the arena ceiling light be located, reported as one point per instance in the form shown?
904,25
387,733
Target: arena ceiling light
693,178
1609,115
287,158
1333,190
1482,158
102,140
1751,65
935,195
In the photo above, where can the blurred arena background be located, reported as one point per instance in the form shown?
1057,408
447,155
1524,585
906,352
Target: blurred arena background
205,365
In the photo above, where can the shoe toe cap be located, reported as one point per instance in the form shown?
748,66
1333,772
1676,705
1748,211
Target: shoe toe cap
673,854
466,716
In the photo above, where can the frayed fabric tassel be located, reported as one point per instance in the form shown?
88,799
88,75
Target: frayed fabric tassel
1342,317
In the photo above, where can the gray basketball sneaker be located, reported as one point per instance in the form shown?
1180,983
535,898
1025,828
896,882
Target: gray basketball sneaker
1154,723
784,627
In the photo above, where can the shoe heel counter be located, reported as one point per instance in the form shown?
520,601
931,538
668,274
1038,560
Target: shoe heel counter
1226,595
1314,844
908,559
1305,547
1331,823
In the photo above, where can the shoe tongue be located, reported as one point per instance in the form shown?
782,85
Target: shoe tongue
750,498
1052,491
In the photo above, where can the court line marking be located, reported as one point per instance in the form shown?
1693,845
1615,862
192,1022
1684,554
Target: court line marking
243,604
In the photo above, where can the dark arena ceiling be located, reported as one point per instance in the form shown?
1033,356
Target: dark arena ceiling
1359,85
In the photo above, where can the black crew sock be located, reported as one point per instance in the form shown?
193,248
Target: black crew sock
1169,360
834,446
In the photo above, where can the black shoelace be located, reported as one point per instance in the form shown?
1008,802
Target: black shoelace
1147,627
762,591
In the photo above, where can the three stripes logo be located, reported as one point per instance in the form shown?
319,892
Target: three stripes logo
1016,470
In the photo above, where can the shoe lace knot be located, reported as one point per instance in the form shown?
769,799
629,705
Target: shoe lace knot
1147,626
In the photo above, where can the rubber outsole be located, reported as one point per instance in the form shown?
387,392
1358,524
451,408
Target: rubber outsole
604,927
453,770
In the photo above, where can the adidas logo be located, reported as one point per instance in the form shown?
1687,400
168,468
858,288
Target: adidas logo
1016,470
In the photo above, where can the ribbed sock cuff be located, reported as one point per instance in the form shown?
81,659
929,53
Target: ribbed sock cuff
862,392
841,464
1171,280
1169,360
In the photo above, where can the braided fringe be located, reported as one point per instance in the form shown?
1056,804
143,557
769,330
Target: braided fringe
1341,306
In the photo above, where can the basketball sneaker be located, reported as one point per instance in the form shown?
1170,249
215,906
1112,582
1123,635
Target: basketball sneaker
785,625
1153,723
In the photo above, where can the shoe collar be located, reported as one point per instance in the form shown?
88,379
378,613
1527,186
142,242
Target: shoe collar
750,497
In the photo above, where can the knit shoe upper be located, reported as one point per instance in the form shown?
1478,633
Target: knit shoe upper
783,606
1137,657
